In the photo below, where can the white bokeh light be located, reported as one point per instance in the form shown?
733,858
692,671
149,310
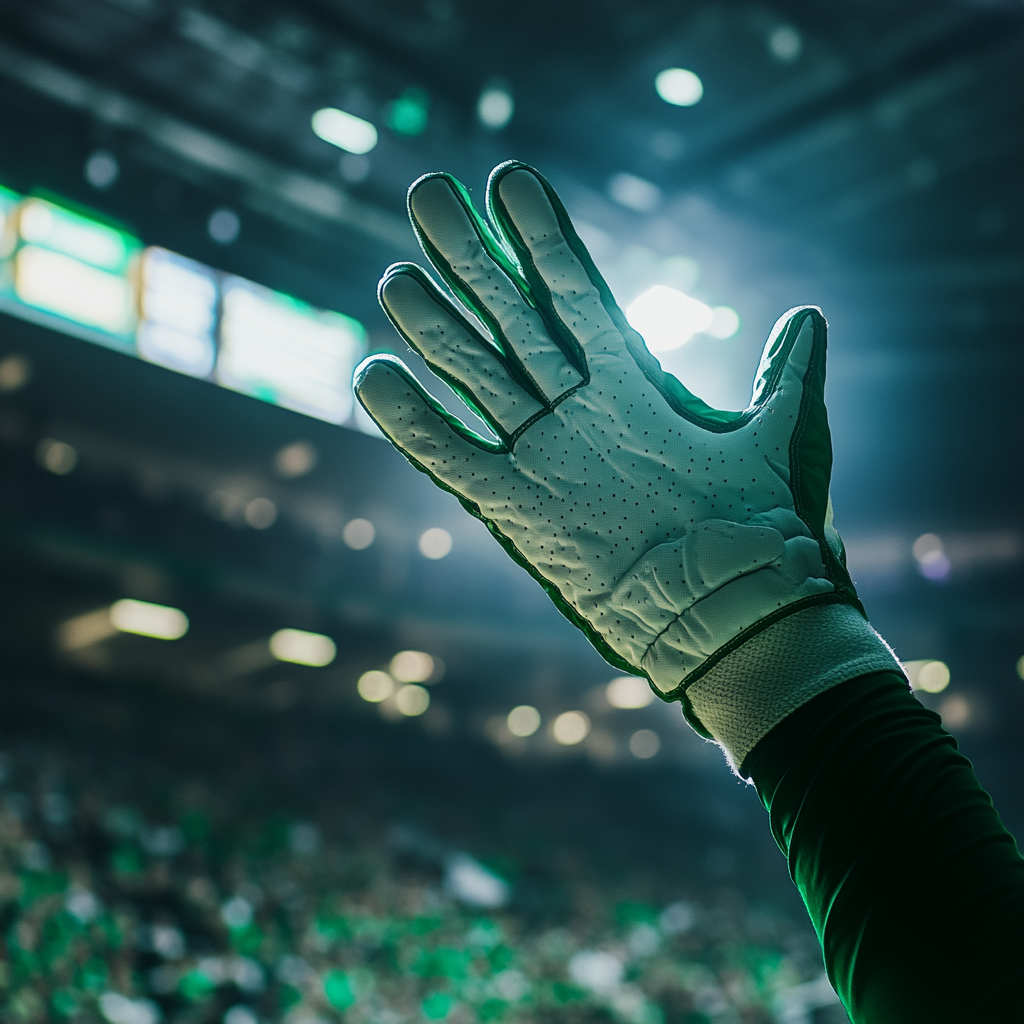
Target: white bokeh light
495,107
358,534
523,720
412,666
375,686
570,728
629,692
435,543
412,700
679,87
928,675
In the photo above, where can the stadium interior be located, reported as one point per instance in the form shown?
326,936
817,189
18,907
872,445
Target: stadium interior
284,734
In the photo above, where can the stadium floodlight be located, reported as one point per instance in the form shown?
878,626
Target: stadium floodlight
679,87
302,648
145,619
344,130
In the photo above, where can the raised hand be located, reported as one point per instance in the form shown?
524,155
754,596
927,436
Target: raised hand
668,531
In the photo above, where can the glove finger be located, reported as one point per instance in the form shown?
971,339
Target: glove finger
562,275
472,263
430,438
792,361
455,351
555,262
790,394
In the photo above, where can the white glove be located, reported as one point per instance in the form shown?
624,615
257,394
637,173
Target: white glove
671,533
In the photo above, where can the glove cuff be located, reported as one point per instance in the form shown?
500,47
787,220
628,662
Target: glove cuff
751,690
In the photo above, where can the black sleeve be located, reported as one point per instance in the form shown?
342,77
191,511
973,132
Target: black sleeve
914,886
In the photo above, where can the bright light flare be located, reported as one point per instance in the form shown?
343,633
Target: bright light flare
301,648
629,692
666,318
344,130
261,513
679,87
145,619
596,970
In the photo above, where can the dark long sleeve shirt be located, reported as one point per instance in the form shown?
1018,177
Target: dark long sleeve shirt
913,884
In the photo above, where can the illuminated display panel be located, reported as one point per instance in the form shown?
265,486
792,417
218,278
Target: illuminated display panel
72,289
80,276
281,350
70,267
179,313
45,224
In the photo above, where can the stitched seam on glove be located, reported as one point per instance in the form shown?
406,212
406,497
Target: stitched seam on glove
546,411
788,664
730,646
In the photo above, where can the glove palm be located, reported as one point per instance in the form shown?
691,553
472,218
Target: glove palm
668,531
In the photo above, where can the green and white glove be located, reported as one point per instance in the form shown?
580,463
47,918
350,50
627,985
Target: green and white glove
691,545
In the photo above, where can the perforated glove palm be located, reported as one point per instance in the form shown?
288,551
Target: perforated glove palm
668,531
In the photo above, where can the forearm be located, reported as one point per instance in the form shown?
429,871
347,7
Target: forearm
915,888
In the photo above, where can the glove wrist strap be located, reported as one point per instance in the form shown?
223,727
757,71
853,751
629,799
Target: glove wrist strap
743,697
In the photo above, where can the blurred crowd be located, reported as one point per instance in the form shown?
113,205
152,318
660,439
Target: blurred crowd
138,897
